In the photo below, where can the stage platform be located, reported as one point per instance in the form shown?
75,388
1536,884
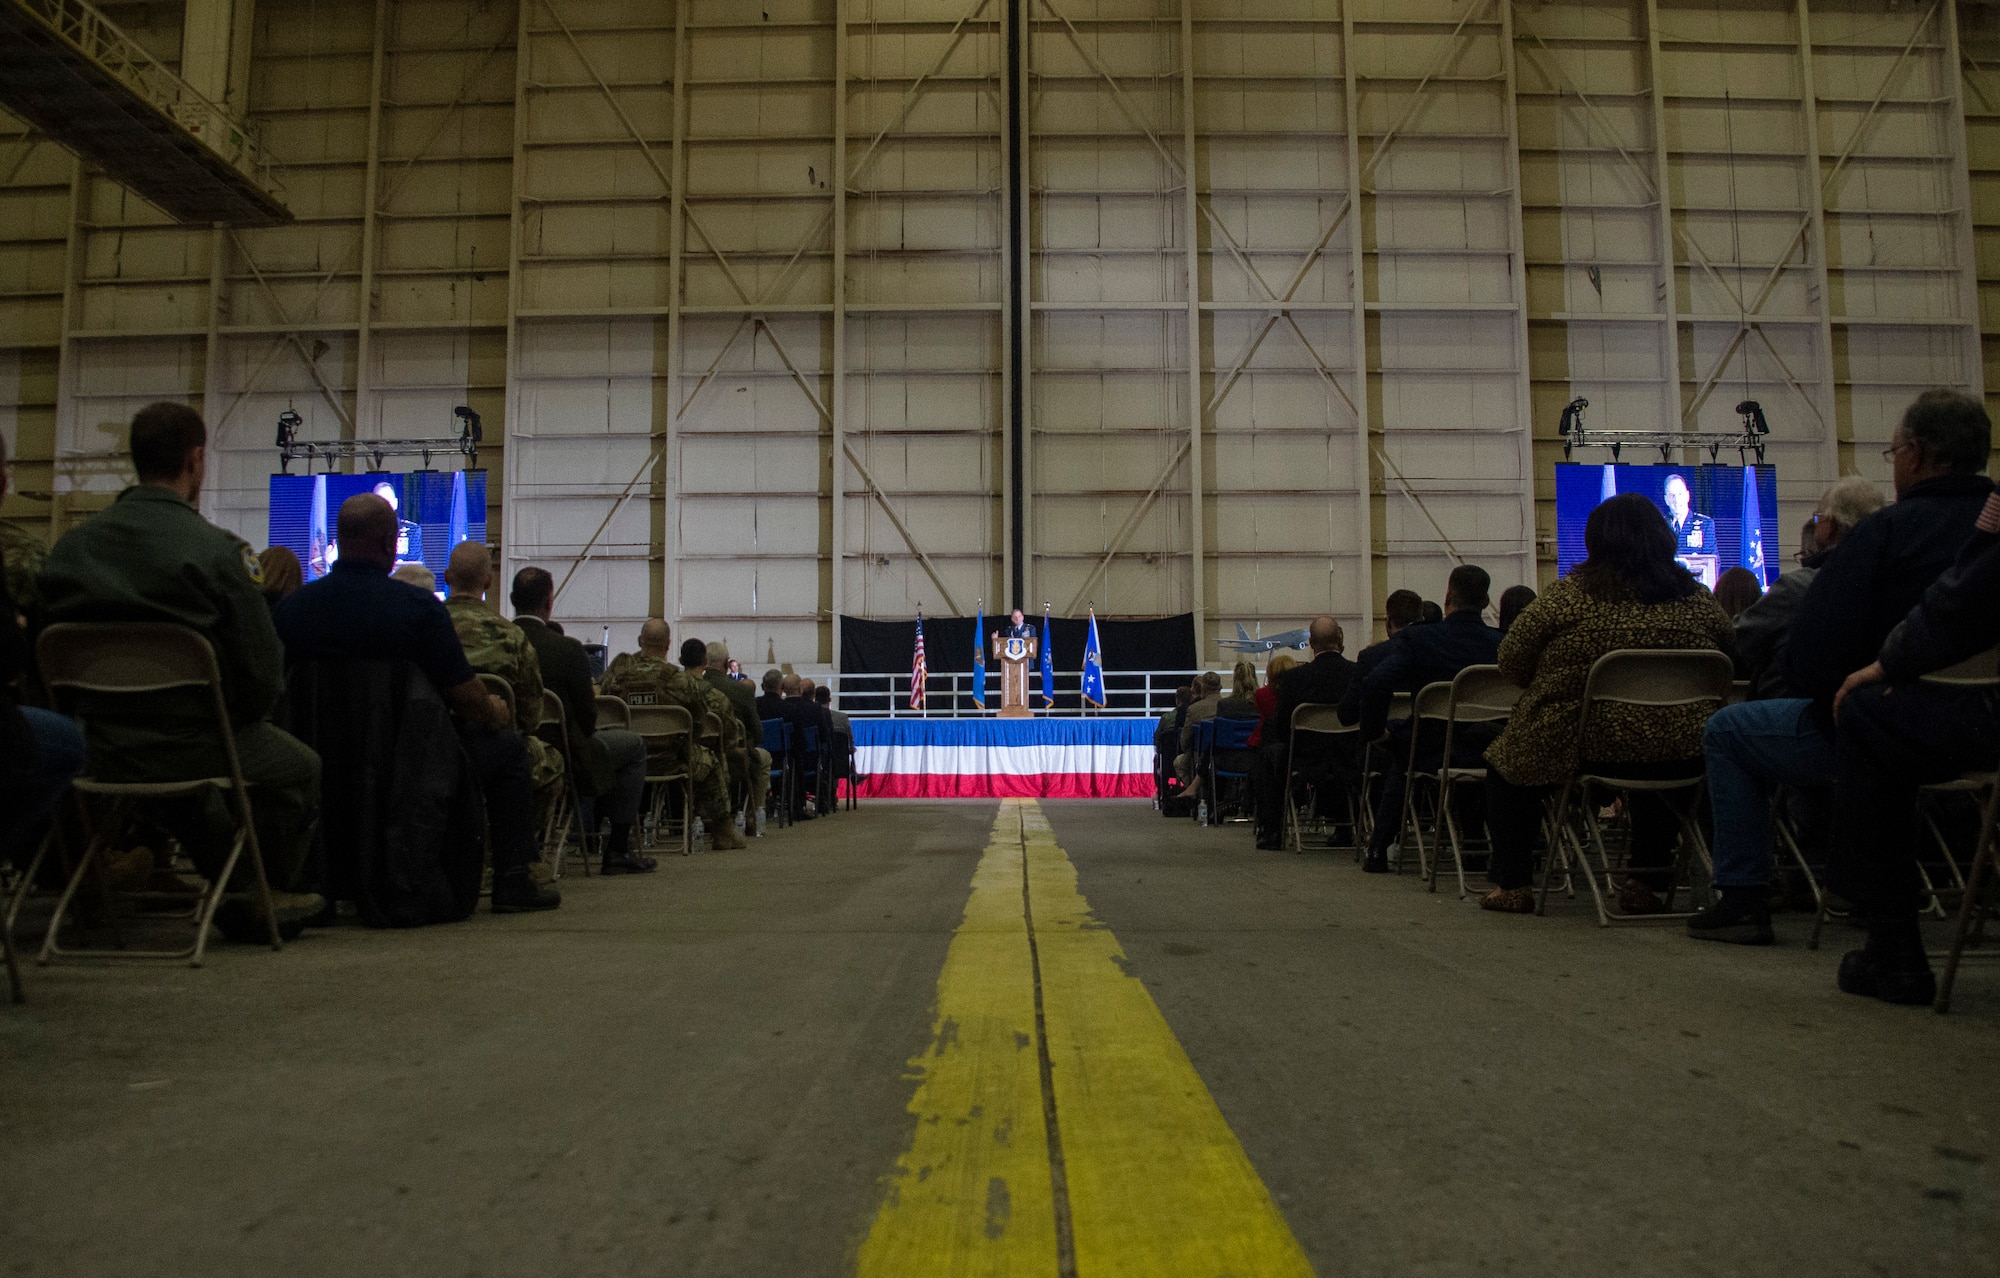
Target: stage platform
1043,758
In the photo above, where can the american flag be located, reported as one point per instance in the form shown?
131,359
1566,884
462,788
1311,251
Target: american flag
919,671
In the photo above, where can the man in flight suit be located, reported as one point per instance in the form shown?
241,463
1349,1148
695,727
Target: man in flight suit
647,678
150,556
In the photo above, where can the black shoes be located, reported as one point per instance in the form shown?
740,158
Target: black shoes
240,917
1375,862
1907,981
516,893
1740,916
628,864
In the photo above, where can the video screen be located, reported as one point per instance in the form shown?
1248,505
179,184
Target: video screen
1723,517
435,510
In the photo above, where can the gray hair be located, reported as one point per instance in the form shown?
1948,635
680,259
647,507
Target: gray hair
1849,501
417,575
718,654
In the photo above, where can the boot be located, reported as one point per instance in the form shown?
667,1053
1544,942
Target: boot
722,835
240,917
1892,966
514,892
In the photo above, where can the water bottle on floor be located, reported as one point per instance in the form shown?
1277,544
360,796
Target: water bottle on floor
1201,813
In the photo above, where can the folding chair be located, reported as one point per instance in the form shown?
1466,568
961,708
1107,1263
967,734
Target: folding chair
1313,720
567,814
1479,694
1232,735
660,727
502,689
814,766
1980,671
136,659
1432,703
1203,745
612,712
777,742
1657,679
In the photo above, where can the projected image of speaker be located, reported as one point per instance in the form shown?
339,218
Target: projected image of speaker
1722,517
435,510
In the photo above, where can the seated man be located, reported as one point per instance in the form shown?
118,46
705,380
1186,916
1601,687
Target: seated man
771,705
150,556
798,714
1322,681
840,737
357,611
1417,658
1896,734
735,749
756,761
1401,610
1207,700
496,646
1878,573
610,762
647,678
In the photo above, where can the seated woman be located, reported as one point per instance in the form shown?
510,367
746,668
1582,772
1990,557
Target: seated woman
1267,696
1629,593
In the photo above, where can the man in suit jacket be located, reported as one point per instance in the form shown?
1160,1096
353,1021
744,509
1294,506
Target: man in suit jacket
1401,610
1323,682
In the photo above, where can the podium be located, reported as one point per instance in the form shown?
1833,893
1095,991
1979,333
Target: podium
1014,656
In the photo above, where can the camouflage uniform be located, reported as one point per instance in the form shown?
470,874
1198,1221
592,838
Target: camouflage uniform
640,680
494,645
23,552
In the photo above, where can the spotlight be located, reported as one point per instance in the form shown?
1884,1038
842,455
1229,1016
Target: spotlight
288,427
1753,418
471,432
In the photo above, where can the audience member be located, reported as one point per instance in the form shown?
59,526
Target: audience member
610,762
41,752
647,678
22,553
716,667
282,574
737,762
1629,593
358,612
799,715
496,646
1267,696
1241,703
1735,590
1417,658
1513,601
1860,592
771,705
841,743
1207,697
1896,734
1432,613
1401,610
418,575
150,556
1763,628
1322,681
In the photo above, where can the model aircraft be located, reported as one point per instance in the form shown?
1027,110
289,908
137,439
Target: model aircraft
1263,643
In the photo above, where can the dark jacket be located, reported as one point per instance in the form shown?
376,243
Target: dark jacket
770,705
1323,681
1958,617
1365,661
1764,629
565,672
1422,655
801,714
1884,565
401,817
741,699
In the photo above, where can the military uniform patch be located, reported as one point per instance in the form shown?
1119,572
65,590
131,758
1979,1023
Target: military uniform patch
252,565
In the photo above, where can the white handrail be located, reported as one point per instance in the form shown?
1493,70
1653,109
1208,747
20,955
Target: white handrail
1127,693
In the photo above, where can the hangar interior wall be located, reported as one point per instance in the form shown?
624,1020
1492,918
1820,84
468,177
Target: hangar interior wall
1305,283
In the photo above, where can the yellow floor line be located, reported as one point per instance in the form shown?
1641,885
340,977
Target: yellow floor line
1157,1183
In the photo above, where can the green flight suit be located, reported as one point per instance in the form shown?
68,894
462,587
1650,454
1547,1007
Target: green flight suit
150,556
640,680
494,645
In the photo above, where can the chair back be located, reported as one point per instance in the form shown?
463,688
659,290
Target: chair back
1232,734
1204,736
1401,706
125,658
661,722
773,741
812,741
1481,694
1659,677
1981,670
711,729
1433,701
502,689
1320,719
555,713
612,712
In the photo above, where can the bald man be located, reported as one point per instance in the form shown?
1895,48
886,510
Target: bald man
1321,682
647,678
359,612
496,646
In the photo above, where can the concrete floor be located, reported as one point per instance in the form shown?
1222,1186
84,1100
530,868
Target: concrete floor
703,1072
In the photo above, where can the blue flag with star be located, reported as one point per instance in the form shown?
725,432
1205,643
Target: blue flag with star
1093,667
1753,527
979,659
1048,663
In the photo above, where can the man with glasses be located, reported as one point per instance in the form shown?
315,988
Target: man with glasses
1857,596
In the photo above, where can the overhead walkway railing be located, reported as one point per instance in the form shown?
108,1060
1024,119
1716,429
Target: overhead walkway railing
73,75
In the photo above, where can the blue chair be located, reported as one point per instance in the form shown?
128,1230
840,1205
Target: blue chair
777,740
1204,741
812,765
1230,738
